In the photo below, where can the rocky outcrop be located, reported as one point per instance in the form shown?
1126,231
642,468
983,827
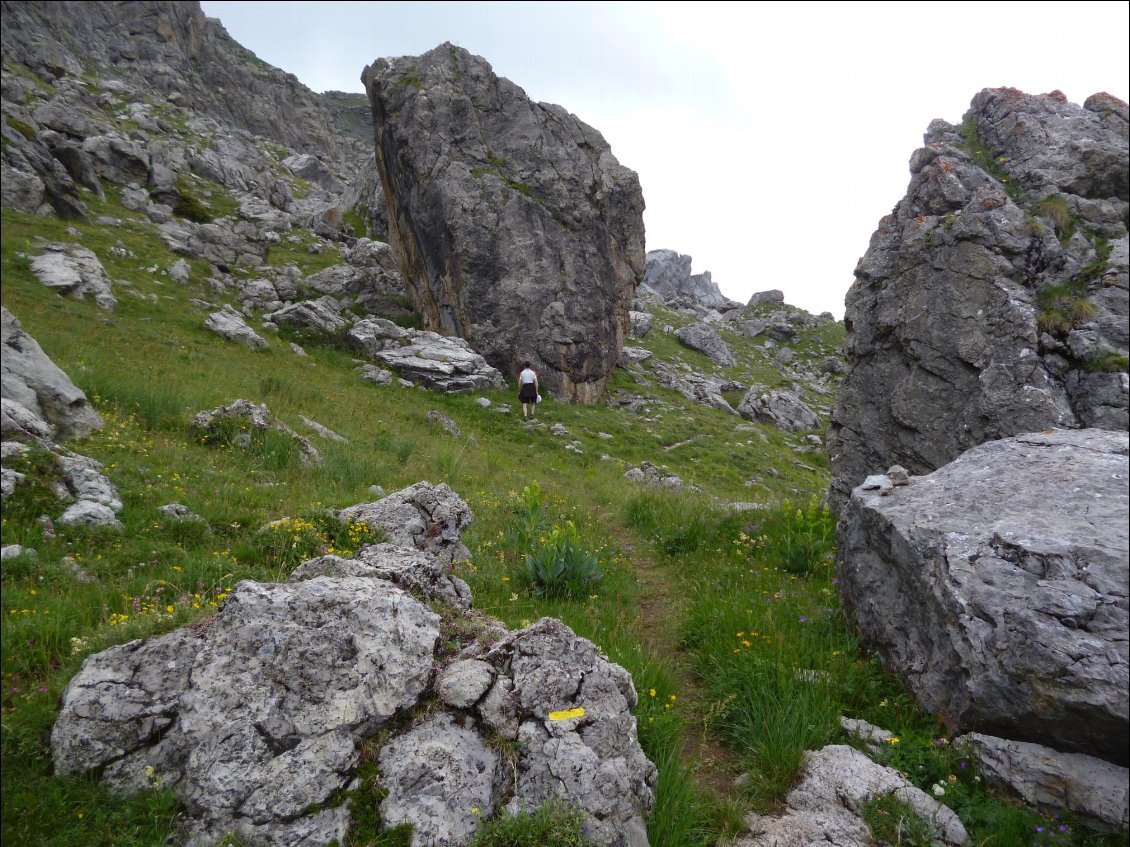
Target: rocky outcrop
703,339
230,324
827,804
423,516
1098,792
669,275
993,300
175,50
782,409
516,227
254,718
76,272
997,588
31,379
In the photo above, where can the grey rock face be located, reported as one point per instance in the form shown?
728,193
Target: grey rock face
436,774
705,340
419,573
442,362
175,49
694,386
30,378
17,421
640,324
74,271
592,761
980,311
230,324
256,719
117,159
774,296
782,409
423,516
1094,790
517,229
669,275
322,315
997,588
826,805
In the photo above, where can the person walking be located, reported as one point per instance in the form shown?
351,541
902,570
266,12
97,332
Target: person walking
529,393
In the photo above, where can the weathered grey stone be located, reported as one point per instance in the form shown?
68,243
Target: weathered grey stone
117,159
826,806
772,296
230,324
423,516
438,419
74,271
630,356
695,387
379,376
593,760
441,362
654,476
705,340
1098,792
640,323
322,315
436,774
10,480
782,409
669,275
1004,615
28,377
12,551
323,431
421,574
254,720
84,480
179,271
18,421
89,513
464,682
519,231
958,327
178,512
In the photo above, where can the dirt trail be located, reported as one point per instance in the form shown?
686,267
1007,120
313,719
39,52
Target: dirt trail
661,610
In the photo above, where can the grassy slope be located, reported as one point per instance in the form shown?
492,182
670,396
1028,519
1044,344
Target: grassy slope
729,623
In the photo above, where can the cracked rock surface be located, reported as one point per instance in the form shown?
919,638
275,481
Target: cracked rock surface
997,588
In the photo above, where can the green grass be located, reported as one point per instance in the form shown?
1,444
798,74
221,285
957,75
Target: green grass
727,620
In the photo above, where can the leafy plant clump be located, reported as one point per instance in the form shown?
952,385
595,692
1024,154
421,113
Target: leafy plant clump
564,566
893,822
553,824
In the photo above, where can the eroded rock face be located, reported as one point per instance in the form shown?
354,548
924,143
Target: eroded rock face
997,588
423,516
28,377
517,229
76,272
993,300
256,719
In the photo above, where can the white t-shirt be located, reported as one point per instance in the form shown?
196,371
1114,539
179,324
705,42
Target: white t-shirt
527,376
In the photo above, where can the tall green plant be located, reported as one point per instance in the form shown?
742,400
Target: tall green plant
564,566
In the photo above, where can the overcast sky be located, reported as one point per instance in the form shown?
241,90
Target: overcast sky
769,138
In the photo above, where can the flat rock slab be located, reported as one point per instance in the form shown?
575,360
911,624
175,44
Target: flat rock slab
997,588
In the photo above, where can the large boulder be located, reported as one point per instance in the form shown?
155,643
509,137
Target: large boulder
703,339
30,378
439,361
253,721
993,300
783,409
997,587
76,272
517,229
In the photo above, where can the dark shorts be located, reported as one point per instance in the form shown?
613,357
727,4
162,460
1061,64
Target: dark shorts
528,393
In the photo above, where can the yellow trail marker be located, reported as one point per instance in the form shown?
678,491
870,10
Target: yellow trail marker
564,715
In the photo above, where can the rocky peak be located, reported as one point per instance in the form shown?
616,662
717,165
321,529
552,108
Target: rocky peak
517,228
669,275
993,300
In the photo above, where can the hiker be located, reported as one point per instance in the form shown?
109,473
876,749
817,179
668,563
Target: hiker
528,391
